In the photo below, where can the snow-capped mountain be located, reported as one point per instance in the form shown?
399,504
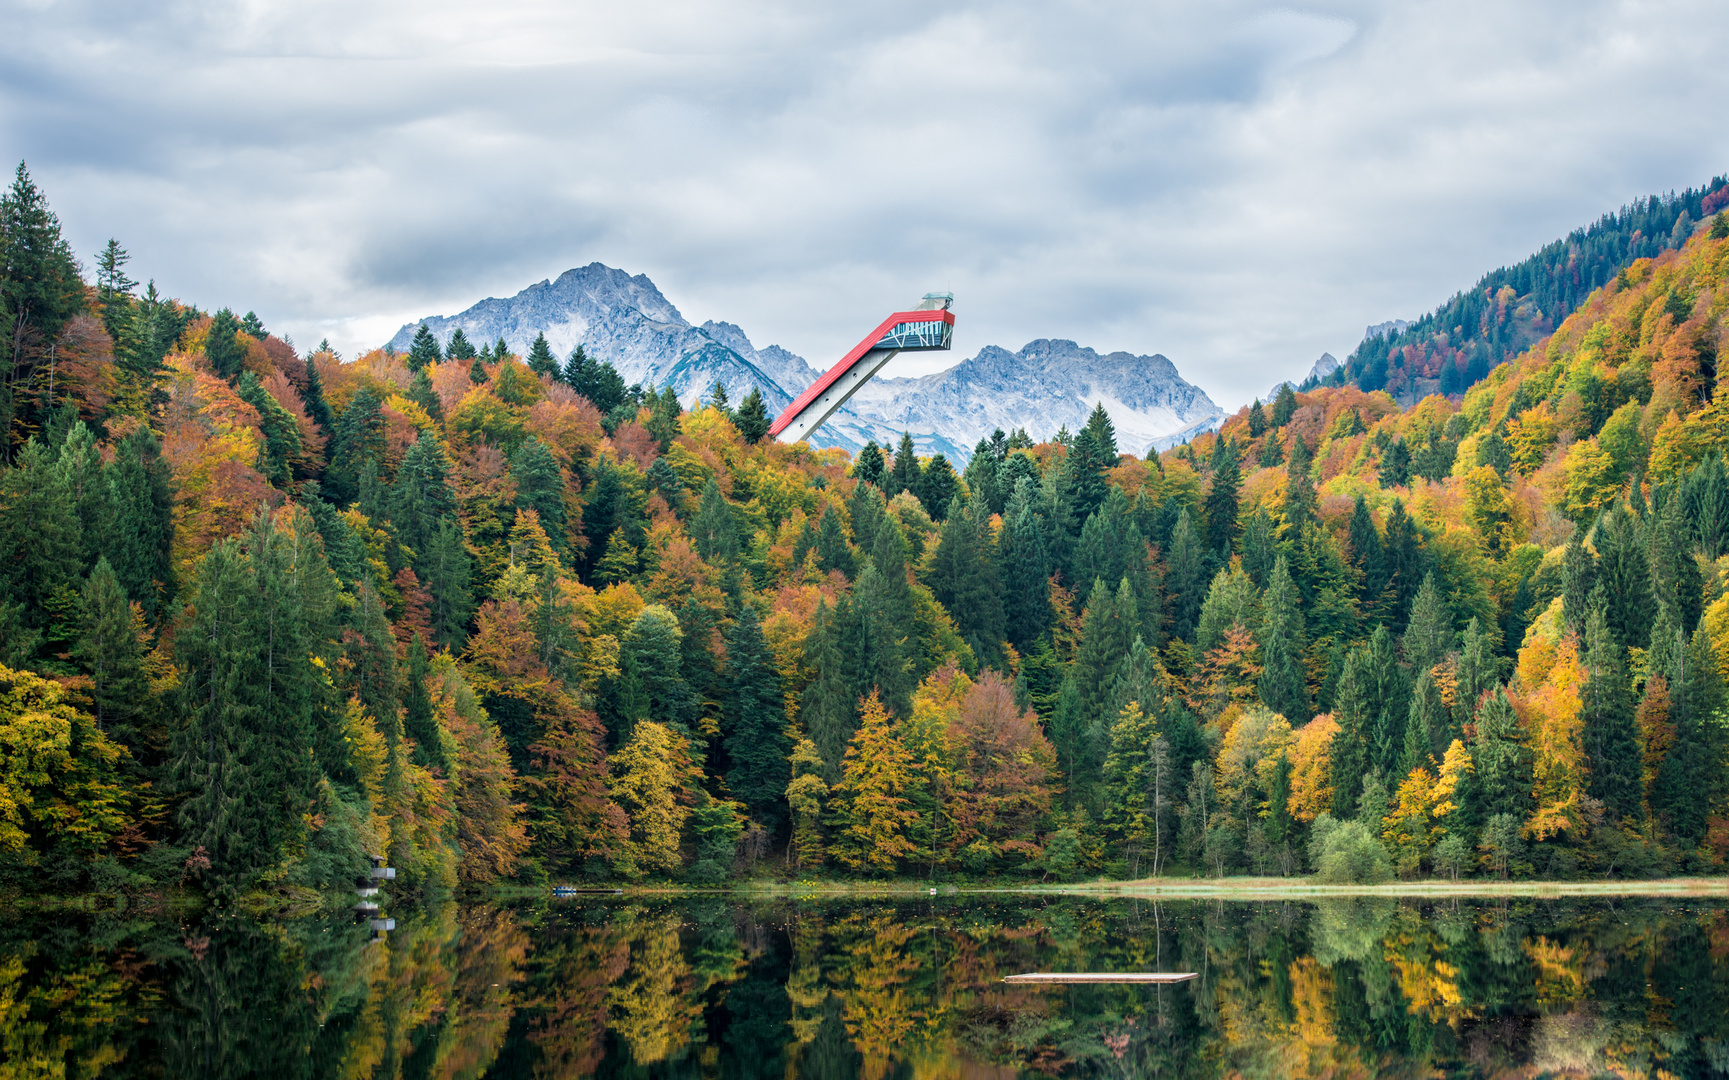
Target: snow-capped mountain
1047,385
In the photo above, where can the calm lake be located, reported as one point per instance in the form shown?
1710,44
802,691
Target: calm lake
879,989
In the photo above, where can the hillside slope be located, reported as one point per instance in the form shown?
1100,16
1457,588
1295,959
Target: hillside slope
1459,343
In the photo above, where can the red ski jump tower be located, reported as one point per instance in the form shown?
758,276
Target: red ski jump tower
925,329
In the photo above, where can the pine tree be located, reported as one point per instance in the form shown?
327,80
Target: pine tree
540,487
39,538
1084,468
418,720
1624,570
1352,705
424,350
753,725
1282,684
1185,581
1429,633
421,500
1578,578
359,439
938,487
654,671
965,580
458,347
751,418
713,529
110,651
1025,568
906,475
870,465
240,755
1257,420
1503,763
445,569
221,348
1611,737
540,358
1478,672
1427,717
1260,547
873,640
1390,705
1284,406
282,446
39,291
1221,504
832,552
828,709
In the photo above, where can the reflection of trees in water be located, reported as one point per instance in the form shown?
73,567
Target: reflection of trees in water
881,991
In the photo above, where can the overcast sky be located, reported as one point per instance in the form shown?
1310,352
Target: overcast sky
1237,185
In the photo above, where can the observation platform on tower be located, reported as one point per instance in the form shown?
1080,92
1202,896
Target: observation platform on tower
927,328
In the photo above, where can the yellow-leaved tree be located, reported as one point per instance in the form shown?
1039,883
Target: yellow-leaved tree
651,781
1557,724
60,787
871,814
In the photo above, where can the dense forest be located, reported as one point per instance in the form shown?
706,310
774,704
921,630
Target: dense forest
266,615
1455,346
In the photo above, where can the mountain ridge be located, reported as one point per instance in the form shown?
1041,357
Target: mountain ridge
1047,384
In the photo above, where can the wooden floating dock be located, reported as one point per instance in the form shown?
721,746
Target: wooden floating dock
1102,977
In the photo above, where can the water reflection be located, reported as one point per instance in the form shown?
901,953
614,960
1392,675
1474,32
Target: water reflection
879,990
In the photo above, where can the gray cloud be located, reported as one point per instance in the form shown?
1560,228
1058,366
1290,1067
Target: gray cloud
1237,185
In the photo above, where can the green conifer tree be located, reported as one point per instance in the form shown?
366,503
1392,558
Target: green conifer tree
1611,738
424,350
1221,503
751,418
1025,568
870,464
540,358
753,725
1283,687
221,348
108,650
540,487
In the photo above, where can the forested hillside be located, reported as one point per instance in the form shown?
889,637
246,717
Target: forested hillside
267,614
1453,347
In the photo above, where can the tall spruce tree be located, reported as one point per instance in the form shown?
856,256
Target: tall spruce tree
1426,719
109,652
1429,632
1349,753
1185,578
965,580
1502,761
753,725
1283,687
1221,503
828,709
424,350
1025,569
222,349
1611,738
540,358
